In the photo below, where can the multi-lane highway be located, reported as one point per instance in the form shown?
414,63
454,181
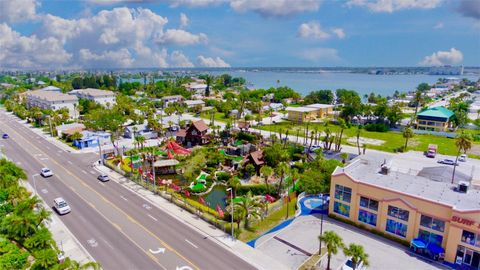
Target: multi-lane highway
119,229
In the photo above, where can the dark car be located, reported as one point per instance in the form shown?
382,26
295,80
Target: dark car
5,136
447,162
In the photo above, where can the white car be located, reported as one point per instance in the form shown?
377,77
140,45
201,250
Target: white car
61,206
462,158
103,178
349,265
46,172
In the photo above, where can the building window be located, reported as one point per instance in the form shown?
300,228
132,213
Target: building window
429,237
396,228
398,213
341,209
367,217
343,193
432,223
470,238
369,203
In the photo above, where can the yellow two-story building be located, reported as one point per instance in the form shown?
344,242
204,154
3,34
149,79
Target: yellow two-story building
435,119
309,113
433,215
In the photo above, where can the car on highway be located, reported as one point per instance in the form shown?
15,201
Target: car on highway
447,162
46,172
61,206
103,177
5,136
348,265
462,158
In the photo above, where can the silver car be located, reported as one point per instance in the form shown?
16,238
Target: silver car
46,172
103,178
61,206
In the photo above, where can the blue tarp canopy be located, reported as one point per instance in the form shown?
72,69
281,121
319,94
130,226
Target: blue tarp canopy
435,249
418,243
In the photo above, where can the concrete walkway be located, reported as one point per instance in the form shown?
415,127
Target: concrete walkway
257,258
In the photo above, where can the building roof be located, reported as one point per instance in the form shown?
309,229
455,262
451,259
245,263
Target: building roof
439,112
172,97
139,127
51,88
181,133
51,95
300,109
165,163
319,106
200,125
93,92
243,124
257,157
366,169
194,102
70,126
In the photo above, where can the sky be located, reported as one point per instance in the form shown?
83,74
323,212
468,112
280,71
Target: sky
58,34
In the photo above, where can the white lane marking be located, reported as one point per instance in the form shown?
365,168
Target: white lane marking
108,244
44,191
45,158
152,217
183,268
146,206
125,199
69,162
92,242
92,172
83,171
186,240
159,250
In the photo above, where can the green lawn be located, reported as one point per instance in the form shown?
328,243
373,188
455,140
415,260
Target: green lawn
262,226
219,116
392,140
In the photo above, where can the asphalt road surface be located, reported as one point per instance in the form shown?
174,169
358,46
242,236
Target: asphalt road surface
119,229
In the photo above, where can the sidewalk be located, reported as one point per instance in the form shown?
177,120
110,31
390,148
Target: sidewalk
65,240
257,258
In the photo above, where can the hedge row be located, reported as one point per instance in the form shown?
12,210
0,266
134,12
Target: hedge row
258,189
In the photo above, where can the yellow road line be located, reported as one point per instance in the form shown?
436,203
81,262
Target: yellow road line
116,207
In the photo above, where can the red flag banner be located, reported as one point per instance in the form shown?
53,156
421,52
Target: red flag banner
187,194
140,170
220,211
175,187
269,198
202,201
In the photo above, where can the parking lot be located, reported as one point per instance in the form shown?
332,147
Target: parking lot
291,246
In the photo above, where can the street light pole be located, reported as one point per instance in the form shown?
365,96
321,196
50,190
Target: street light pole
321,233
34,183
50,124
231,206
100,150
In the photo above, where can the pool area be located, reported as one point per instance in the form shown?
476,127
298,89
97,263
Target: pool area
216,197
313,204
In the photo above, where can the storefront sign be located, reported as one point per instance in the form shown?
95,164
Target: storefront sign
464,221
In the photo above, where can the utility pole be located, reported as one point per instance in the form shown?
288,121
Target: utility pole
153,172
50,124
100,150
321,233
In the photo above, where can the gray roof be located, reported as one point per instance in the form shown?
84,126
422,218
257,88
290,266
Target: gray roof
443,174
300,109
366,169
51,95
319,106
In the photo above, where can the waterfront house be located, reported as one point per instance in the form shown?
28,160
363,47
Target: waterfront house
323,110
301,114
51,100
435,119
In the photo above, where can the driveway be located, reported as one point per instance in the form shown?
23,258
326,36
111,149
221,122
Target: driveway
292,245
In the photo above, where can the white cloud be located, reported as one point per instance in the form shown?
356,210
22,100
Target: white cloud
195,3
390,6
17,51
312,30
13,11
320,54
442,58
120,58
211,62
181,37
183,20
439,25
178,59
275,8
339,33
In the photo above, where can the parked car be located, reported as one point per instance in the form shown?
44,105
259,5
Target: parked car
46,172
103,178
348,265
447,161
61,206
5,136
462,158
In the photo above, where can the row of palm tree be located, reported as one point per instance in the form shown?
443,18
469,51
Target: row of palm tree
334,242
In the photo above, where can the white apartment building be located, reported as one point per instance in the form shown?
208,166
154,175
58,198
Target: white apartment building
51,100
103,97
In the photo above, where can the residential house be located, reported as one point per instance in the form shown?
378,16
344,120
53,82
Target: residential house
273,106
435,119
301,114
194,103
195,134
69,129
323,110
92,139
103,97
256,159
50,100
139,130
198,88
51,88
172,99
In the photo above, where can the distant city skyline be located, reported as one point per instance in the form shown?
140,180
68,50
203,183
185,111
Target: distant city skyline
37,34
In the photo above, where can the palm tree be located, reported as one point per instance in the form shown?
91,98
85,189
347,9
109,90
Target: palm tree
344,157
358,255
333,242
140,140
234,183
407,134
251,207
463,143
74,265
343,126
282,169
266,171
359,133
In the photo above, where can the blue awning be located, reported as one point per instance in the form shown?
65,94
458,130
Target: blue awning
418,243
435,249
